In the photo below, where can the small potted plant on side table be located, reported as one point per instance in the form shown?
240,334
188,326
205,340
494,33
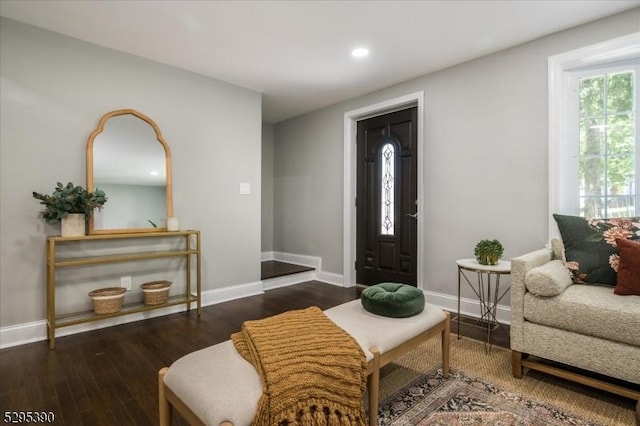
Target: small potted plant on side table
71,205
488,252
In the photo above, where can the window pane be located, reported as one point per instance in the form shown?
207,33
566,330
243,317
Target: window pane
592,207
592,178
622,206
620,138
387,189
592,96
619,90
620,175
592,136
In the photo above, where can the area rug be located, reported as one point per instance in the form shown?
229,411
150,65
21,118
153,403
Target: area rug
463,400
481,391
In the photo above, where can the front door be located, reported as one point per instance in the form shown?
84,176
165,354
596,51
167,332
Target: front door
386,203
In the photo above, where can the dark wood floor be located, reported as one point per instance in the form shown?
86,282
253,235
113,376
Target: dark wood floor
109,376
273,268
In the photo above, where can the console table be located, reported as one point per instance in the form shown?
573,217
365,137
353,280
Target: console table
190,248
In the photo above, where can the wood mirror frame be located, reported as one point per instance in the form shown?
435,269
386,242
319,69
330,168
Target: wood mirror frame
91,178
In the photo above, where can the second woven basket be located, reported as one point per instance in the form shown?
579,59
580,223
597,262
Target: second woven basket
156,292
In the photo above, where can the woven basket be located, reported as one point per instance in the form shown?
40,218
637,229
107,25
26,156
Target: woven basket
156,292
107,300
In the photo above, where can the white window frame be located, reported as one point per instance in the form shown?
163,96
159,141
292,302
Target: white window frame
563,150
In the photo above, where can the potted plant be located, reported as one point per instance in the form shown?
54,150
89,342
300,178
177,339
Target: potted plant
488,252
71,205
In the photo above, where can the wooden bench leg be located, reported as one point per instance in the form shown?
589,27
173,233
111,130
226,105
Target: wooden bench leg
446,333
516,364
164,406
373,386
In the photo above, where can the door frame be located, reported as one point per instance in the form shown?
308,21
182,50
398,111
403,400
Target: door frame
349,205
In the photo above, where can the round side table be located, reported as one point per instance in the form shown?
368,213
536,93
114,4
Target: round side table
486,289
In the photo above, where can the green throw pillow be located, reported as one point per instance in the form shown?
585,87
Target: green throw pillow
393,300
590,246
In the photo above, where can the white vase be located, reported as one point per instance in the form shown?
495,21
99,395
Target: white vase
73,225
173,224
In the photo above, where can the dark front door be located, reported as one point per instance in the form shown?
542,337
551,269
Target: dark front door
386,198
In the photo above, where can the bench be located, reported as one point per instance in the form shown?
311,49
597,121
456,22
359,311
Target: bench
217,386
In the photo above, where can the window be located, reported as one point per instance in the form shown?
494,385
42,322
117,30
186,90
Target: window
594,141
607,142
387,189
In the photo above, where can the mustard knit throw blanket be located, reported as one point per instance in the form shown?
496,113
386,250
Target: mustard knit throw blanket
313,373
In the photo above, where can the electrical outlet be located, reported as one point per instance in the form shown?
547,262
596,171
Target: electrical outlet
125,282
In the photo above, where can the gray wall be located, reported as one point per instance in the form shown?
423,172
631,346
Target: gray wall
485,158
267,187
308,183
54,89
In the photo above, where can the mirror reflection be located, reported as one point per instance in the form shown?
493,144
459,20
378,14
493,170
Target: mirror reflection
130,162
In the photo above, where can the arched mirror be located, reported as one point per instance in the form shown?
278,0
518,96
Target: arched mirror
129,160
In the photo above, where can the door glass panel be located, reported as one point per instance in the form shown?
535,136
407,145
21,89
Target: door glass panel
387,189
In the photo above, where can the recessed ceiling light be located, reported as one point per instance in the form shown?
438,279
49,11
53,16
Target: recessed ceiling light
360,52
154,173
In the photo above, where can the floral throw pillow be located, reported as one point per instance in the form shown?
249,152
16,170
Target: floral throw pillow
590,246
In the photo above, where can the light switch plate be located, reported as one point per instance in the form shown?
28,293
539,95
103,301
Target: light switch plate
245,188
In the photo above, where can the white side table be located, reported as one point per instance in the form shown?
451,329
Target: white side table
488,296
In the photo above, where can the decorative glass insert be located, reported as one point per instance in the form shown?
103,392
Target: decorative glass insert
387,190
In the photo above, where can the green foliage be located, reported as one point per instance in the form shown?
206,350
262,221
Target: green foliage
69,199
488,252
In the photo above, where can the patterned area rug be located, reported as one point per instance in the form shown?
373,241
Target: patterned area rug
462,400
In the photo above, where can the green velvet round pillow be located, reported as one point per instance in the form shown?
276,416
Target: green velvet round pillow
393,300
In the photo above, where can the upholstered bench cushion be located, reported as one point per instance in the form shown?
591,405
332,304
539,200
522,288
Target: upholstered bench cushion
393,300
217,384
385,333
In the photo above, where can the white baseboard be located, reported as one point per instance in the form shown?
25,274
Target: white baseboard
287,280
266,255
303,260
298,259
330,278
225,294
37,331
468,307
22,334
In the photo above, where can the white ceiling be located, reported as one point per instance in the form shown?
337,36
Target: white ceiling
297,53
